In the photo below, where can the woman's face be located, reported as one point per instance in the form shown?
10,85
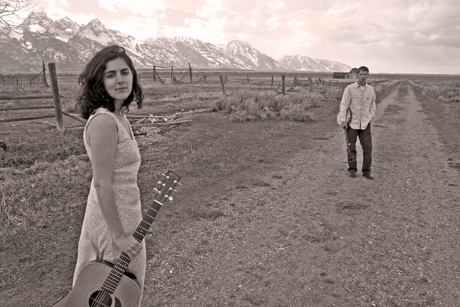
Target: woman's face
118,79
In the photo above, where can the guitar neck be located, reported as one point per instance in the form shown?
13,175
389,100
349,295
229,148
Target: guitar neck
162,195
124,260
147,220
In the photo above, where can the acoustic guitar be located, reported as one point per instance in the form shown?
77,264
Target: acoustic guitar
348,118
101,284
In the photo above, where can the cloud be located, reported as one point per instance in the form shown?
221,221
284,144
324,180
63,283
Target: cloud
276,5
57,2
210,9
206,30
55,12
140,28
140,7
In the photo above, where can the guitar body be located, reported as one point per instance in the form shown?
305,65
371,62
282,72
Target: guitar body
89,283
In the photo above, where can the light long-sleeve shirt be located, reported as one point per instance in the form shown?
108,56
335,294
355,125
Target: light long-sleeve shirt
361,101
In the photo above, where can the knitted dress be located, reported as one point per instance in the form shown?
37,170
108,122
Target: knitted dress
95,242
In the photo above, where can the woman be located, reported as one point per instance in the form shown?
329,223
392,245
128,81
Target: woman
109,84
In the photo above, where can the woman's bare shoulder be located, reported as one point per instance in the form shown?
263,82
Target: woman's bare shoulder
102,121
102,126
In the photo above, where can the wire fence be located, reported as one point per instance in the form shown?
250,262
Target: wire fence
176,76
24,80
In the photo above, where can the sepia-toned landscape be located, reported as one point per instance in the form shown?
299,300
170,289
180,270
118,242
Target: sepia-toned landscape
266,215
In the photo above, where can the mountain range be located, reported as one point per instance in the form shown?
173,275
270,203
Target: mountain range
70,45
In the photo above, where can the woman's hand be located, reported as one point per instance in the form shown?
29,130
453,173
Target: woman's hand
128,245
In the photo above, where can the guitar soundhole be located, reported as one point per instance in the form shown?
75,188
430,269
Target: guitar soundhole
100,299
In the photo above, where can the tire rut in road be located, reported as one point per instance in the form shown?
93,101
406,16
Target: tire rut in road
421,195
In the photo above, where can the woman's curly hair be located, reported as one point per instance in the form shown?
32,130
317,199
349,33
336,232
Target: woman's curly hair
92,91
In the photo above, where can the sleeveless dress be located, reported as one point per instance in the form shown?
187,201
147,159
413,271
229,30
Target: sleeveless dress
95,242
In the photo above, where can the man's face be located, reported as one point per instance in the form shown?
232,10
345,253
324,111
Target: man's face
362,76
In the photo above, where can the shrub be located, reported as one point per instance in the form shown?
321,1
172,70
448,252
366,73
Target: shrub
443,92
248,105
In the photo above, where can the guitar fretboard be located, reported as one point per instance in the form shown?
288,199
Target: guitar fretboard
147,220
163,194
123,262
117,272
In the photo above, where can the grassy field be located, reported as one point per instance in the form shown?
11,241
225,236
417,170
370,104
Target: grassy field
254,130
38,157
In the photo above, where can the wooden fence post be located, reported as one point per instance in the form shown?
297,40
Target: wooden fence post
154,74
248,80
222,84
44,75
272,80
56,98
172,71
283,84
190,72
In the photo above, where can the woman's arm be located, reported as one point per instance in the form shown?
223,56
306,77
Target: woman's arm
102,136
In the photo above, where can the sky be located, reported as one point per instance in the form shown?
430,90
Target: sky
391,36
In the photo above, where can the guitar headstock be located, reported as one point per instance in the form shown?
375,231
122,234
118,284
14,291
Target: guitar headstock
166,187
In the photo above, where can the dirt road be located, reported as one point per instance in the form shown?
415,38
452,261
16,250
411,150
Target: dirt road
393,241
308,235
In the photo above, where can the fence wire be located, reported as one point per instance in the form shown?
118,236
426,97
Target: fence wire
24,80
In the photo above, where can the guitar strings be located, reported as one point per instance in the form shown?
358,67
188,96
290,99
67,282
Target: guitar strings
103,298
104,302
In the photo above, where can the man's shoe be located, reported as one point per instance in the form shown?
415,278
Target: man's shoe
352,173
369,177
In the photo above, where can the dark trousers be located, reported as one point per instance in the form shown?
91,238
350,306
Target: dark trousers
365,138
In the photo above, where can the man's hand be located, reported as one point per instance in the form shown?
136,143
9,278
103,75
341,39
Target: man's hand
343,124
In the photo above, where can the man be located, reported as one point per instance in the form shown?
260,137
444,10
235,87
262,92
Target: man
359,97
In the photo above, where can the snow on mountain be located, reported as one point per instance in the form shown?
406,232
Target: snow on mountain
69,27
304,63
37,28
251,57
180,51
70,45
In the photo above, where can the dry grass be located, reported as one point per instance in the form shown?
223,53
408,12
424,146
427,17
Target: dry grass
447,92
42,167
249,105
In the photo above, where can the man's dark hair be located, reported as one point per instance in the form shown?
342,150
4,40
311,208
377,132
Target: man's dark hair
92,91
363,68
